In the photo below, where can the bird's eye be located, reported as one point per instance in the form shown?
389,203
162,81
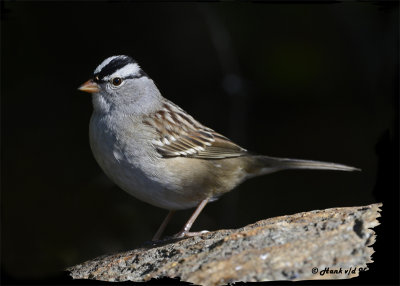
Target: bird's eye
116,81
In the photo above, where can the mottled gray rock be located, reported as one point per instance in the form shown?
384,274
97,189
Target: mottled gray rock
322,244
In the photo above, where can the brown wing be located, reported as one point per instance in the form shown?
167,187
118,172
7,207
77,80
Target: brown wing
179,134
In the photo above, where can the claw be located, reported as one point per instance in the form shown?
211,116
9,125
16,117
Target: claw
183,234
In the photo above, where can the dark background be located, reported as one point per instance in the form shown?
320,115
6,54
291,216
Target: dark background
312,81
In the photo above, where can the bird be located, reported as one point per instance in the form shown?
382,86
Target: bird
158,153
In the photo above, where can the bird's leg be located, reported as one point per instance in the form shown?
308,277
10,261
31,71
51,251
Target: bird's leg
163,226
185,231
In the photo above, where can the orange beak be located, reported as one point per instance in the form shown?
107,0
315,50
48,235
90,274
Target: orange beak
89,86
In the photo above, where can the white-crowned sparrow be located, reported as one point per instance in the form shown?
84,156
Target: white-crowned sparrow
155,151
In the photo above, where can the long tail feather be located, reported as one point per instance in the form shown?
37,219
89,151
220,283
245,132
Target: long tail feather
272,164
309,164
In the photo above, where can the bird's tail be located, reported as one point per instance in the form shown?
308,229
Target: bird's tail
272,164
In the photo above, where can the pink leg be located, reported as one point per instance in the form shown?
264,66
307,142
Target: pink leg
185,231
163,226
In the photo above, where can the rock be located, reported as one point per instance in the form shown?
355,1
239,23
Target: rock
321,244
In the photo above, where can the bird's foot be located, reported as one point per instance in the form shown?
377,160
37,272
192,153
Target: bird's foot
184,234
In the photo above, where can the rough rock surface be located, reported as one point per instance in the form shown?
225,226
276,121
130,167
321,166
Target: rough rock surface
294,247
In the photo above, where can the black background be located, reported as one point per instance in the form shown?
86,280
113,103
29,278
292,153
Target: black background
312,81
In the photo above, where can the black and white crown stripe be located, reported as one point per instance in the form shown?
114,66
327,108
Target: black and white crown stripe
118,66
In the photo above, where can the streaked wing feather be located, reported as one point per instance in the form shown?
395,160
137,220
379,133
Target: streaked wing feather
180,135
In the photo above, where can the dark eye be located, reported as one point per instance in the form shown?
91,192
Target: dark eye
116,81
